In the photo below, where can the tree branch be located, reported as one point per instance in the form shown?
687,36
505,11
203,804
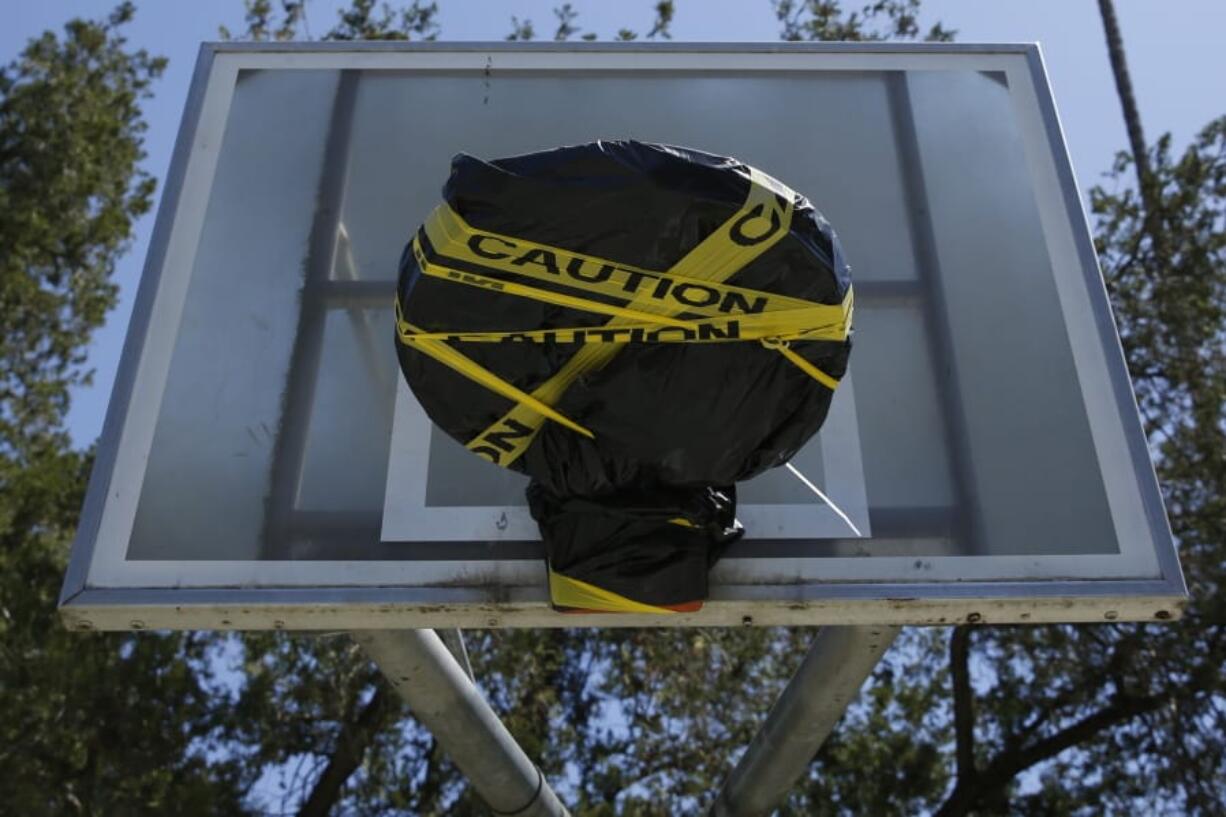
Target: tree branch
1009,764
964,702
995,777
351,746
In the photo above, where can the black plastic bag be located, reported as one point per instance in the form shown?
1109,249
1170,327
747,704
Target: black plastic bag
631,287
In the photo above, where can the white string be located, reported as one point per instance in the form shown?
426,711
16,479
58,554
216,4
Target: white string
823,498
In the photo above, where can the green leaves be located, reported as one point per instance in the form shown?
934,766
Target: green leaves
418,20
361,20
876,20
88,724
70,190
95,724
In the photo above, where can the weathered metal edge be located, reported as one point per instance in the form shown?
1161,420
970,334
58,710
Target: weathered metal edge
103,473
377,46
1117,369
808,605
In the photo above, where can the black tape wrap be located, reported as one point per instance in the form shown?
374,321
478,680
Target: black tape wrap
643,506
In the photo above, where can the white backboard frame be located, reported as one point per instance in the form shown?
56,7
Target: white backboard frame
106,590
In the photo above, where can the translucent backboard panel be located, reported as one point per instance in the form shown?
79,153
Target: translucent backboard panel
263,465
438,491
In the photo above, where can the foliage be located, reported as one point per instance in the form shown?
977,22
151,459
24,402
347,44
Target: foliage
260,24
876,20
70,188
362,20
417,21
95,724
623,721
625,715
88,724
414,22
566,16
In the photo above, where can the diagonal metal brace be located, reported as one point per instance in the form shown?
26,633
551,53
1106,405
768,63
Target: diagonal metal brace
828,680
441,696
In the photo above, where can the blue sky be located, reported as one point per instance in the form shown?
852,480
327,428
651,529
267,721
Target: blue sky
1174,51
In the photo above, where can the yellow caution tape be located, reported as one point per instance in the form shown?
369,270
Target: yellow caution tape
474,371
451,237
652,303
535,293
567,592
809,321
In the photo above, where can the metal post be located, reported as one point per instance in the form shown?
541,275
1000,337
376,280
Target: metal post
419,666
299,398
453,640
830,677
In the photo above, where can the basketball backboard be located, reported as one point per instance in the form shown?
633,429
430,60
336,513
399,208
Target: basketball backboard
263,466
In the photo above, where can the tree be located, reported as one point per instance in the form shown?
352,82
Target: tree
70,143
102,724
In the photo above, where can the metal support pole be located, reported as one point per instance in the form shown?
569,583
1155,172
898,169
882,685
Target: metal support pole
419,666
453,640
830,677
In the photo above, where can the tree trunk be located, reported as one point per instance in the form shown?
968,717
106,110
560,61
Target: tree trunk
964,702
1151,195
1123,85
966,789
